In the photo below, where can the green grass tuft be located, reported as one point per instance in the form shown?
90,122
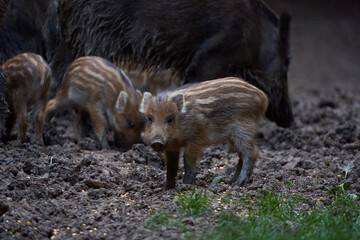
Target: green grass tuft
193,203
277,217
162,218
266,215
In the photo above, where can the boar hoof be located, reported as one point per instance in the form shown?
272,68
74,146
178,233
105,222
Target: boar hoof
189,179
105,146
239,183
22,139
5,138
169,186
233,180
39,142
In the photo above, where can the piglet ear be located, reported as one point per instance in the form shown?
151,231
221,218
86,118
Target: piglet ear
145,100
139,94
179,100
121,101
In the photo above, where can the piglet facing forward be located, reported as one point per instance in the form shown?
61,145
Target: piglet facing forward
27,85
198,115
102,93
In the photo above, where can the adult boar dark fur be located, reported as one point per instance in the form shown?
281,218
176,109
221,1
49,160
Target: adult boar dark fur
199,39
3,7
21,28
4,110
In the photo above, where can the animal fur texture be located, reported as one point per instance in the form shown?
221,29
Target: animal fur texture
200,40
103,95
204,114
4,109
27,86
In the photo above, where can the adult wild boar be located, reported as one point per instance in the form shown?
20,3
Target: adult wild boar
199,39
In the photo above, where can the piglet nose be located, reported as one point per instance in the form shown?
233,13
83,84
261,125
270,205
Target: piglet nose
157,144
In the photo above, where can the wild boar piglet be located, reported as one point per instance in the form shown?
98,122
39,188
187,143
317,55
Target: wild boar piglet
198,115
102,94
28,81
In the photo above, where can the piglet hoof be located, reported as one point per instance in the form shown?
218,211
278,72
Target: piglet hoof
5,139
239,183
39,142
22,139
169,186
189,179
233,180
105,146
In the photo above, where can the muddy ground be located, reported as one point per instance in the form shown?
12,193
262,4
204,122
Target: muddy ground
67,190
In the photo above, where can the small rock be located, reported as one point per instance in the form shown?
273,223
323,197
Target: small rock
93,183
292,164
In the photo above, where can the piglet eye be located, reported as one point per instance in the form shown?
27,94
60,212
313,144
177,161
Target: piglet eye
170,120
150,119
130,124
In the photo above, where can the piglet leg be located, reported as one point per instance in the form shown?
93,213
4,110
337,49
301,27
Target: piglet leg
172,166
191,156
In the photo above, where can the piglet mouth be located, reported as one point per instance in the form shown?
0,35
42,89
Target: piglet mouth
158,144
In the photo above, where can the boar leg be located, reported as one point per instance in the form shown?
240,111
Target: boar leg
172,166
10,122
20,108
247,168
81,124
237,170
99,126
119,140
39,121
50,109
244,143
191,156
58,104
23,120
10,118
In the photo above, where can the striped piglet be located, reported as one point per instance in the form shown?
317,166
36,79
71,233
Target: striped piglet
102,93
28,81
198,115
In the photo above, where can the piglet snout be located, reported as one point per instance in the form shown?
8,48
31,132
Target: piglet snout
157,144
